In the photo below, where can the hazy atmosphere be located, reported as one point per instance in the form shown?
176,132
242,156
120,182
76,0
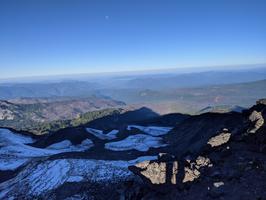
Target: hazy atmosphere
64,37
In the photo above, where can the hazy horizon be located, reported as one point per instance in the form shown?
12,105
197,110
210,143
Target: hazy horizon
177,70
40,38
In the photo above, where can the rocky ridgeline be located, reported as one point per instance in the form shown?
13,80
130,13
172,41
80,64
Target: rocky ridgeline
229,166
168,170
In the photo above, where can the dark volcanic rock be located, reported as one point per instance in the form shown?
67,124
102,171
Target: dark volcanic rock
235,170
190,136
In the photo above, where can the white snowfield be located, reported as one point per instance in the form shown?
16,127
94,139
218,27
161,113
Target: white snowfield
140,142
6,136
15,151
40,175
99,134
151,130
38,178
66,146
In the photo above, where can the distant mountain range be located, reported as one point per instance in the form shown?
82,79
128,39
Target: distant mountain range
53,113
191,100
164,92
101,84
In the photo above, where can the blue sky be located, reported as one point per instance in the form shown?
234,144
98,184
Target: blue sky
86,36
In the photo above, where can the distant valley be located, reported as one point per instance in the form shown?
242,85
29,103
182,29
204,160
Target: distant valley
30,113
41,107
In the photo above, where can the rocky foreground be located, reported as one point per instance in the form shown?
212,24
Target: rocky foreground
208,156
229,166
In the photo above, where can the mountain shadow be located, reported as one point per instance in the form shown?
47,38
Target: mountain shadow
114,121
118,120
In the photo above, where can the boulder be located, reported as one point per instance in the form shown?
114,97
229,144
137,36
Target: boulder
193,171
157,172
257,121
219,140
171,172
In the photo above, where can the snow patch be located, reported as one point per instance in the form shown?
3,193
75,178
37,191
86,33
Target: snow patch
151,130
66,146
47,176
38,178
99,134
25,151
139,142
14,150
6,136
